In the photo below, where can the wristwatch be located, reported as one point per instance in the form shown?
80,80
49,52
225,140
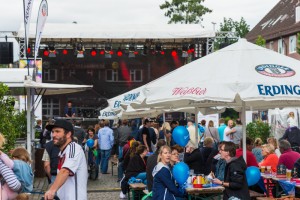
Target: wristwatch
222,183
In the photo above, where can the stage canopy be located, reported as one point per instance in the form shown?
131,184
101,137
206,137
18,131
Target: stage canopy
60,32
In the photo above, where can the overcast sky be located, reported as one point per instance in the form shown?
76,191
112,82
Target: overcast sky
129,12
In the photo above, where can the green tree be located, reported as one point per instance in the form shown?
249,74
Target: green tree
12,123
239,28
260,41
258,129
298,41
185,11
228,114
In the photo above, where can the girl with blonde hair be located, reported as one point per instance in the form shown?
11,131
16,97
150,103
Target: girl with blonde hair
165,132
163,183
257,150
273,141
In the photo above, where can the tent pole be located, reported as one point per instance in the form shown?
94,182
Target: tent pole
243,119
28,120
196,125
164,117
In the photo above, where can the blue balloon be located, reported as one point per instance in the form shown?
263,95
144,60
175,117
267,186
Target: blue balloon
181,136
181,172
253,175
90,142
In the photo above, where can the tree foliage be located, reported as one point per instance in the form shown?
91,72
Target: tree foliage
239,28
258,129
12,123
185,11
260,41
298,42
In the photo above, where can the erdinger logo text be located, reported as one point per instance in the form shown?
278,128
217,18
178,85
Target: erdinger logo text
277,71
274,90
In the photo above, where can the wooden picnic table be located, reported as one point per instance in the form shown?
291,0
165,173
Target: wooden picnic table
205,193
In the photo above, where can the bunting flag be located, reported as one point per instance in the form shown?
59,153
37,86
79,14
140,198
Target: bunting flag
27,15
41,20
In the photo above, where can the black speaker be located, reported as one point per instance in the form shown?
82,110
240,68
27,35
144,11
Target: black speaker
6,53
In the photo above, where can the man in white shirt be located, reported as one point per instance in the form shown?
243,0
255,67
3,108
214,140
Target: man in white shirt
229,131
71,180
192,131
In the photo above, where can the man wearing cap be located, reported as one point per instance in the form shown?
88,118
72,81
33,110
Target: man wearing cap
71,180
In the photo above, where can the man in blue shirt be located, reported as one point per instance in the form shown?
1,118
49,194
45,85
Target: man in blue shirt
221,128
105,141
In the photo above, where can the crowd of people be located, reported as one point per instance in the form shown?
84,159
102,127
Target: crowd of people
148,153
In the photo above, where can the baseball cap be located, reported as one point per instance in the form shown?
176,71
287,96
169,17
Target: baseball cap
61,123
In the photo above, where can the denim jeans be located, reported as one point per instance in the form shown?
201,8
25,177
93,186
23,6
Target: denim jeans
105,154
98,160
120,170
143,177
120,152
91,158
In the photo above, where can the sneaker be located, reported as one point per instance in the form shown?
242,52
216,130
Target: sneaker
122,196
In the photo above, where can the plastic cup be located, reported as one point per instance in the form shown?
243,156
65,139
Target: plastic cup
262,169
269,169
288,174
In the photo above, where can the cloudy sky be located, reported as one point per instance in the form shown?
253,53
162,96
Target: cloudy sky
129,11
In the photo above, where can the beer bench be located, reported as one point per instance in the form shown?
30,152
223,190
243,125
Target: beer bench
254,195
137,190
113,162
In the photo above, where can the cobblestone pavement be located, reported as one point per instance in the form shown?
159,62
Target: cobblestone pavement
105,187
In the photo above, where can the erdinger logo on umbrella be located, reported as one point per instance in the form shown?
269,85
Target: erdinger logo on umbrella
275,70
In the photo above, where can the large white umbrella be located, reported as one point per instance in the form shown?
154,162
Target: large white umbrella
242,75
131,113
241,72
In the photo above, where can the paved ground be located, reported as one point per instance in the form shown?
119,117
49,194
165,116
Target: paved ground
105,187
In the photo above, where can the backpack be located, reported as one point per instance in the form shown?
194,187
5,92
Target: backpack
24,174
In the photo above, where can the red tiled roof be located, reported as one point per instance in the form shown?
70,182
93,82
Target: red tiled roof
280,21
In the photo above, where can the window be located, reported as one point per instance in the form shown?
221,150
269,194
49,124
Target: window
50,108
135,75
281,46
292,44
72,73
50,75
271,47
90,72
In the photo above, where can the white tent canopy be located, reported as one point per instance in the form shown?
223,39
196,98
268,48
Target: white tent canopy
241,72
55,89
131,113
124,31
17,78
241,75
